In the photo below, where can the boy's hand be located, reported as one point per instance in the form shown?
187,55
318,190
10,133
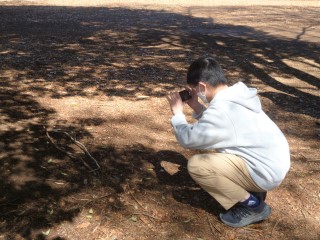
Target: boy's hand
193,102
175,102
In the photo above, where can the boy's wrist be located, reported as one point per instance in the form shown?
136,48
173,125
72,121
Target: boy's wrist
197,115
198,109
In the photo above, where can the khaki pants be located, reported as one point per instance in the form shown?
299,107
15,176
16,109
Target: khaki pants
224,176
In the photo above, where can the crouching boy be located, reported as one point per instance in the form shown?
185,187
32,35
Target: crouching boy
252,155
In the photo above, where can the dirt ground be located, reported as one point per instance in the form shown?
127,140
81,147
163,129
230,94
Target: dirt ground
100,72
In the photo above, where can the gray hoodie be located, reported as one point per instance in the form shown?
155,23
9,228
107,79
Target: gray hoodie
235,123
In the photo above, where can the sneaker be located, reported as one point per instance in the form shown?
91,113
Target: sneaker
240,215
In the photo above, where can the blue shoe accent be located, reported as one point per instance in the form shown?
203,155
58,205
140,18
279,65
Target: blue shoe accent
252,201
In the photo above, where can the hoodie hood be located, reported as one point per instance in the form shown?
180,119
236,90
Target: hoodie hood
240,94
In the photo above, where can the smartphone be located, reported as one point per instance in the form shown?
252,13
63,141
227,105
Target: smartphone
185,95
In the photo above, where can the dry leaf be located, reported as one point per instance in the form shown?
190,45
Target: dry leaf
133,218
46,233
144,219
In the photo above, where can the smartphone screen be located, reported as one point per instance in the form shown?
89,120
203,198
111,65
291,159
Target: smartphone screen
185,95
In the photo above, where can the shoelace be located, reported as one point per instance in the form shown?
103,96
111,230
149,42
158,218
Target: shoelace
240,212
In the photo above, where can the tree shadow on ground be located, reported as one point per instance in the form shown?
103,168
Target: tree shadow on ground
59,52
75,49
183,187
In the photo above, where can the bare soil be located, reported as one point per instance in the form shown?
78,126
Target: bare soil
100,72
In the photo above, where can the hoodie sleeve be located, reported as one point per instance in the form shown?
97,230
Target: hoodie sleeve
213,130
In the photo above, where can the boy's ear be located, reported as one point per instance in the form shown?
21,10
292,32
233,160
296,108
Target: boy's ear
202,85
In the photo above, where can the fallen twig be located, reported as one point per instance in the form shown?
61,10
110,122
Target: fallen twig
59,148
314,160
94,199
212,226
81,199
77,143
56,181
146,214
135,197
101,218
304,215
275,226
252,229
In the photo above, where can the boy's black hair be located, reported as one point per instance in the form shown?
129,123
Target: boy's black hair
206,69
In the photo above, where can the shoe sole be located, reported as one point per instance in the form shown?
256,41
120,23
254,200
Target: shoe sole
254,219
